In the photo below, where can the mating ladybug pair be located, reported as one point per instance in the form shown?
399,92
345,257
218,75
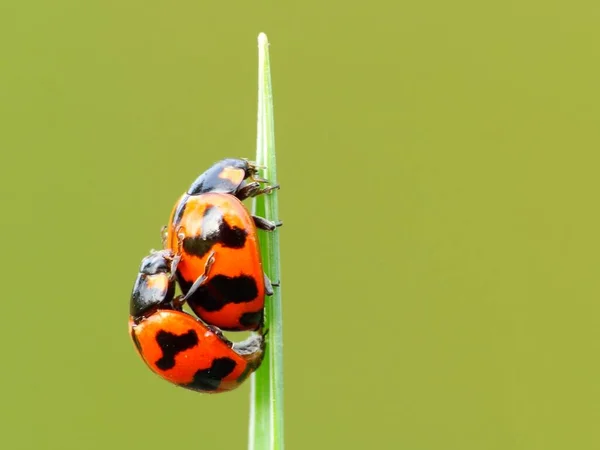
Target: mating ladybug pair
210,247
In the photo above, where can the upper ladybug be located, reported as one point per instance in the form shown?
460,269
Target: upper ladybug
209,219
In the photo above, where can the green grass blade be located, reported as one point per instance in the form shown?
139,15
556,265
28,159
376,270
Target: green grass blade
266,398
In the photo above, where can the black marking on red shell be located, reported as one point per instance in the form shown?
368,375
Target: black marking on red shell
173,344
251,320
222,290
215,230
210,379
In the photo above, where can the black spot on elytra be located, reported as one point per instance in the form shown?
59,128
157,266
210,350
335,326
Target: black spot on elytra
251,319
221,290
197,246
232,237
210,379
172,344
215,230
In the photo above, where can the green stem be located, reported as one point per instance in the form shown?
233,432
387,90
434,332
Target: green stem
266,398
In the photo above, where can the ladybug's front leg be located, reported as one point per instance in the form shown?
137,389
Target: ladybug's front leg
174,264
247,190
180,300
202,278
177,258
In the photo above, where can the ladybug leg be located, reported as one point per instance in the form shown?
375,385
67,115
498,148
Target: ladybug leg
174,264
245,191
253,189
178,303
180,238
269,285
177,258
264,224
202,278
259,179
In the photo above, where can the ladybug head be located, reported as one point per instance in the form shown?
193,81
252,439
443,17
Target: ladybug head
156,262
153,288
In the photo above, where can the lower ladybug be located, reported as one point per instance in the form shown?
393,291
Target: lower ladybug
177,346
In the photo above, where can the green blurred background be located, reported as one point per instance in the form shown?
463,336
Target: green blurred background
439,172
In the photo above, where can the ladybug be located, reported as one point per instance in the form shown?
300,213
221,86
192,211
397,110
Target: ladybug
177,346
211,219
